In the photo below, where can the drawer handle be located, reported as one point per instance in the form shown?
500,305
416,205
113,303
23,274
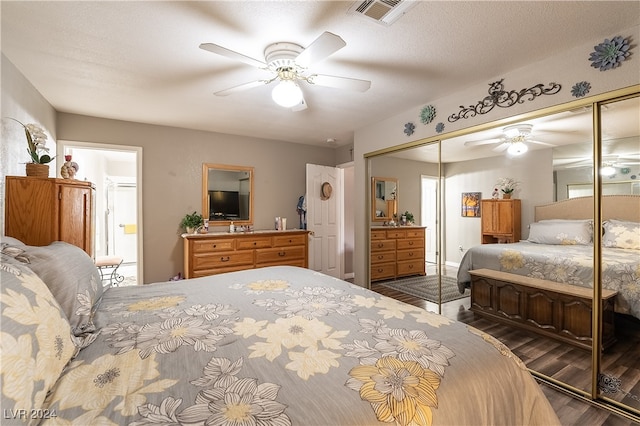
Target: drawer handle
255,243
380,245
380,257
410,243
215,245
410,254
282,253
410,266
225,259
380,270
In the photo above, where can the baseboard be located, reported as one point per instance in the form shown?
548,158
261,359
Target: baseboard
349,275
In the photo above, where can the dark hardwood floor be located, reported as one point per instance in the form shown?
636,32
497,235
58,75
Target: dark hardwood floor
554,359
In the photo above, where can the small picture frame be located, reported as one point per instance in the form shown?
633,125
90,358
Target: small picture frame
471,204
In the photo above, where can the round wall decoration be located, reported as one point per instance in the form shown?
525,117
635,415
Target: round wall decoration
325,191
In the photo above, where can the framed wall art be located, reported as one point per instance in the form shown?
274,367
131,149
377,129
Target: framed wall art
471,204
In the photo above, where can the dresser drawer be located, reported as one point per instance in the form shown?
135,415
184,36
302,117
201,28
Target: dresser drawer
206,272
415,233
383,256
411,267
412,254
222,259
253,243
291,240
283,254
410,243
383,245
211,245
396,233
383,271
378,234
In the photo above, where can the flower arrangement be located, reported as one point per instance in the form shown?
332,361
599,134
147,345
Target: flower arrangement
507,185
36,141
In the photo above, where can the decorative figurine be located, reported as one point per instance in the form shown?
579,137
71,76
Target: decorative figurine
69,168
495,194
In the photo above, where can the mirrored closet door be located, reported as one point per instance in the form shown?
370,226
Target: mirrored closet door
535,253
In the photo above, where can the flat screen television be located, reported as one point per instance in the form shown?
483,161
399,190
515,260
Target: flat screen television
224,205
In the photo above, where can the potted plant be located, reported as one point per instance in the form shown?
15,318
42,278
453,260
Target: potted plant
39,153
192,221
507,186
408,217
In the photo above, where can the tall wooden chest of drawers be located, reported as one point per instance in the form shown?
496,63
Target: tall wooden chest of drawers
215,253
397,252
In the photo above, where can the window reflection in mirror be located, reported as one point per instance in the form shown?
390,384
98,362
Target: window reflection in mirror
227,194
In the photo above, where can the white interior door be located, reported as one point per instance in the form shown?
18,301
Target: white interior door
324,220
124,221
428,217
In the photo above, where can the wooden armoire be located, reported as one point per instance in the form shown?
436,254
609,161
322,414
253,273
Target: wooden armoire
39,211
500,221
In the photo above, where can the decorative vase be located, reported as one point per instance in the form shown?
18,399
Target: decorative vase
37,170
190,230
506,196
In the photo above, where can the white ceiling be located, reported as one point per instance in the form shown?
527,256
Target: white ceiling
140,61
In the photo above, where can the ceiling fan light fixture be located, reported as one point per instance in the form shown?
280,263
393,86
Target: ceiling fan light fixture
287,94
518,131
517,148
608,170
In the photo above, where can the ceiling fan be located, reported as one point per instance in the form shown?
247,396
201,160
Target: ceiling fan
289,63
610,163
514,140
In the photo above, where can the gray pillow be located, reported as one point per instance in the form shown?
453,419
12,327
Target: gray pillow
621,234
73,279
565,232
36,338
10,241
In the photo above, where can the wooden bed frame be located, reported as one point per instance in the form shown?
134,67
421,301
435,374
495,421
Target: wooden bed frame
556,310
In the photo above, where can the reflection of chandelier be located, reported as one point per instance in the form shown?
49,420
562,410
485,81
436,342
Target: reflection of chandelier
516,135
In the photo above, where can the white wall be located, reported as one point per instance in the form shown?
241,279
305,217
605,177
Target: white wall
535,172
566,69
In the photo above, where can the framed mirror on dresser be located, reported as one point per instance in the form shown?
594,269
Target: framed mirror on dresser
384,196
227,194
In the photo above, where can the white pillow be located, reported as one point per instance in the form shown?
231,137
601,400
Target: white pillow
561,232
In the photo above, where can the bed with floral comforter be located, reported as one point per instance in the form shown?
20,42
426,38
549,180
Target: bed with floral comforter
562,251
271,346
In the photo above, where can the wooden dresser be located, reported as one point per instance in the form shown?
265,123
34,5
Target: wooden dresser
39,211
397,252
215,253
500,221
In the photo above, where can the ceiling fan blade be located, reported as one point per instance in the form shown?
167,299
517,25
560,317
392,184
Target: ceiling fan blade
503,146
242,87
541,143
339,82
326,44
214,48
482,142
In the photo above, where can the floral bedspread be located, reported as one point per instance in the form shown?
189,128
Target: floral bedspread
570,264
285,345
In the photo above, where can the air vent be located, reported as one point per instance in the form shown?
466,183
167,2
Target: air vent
382,11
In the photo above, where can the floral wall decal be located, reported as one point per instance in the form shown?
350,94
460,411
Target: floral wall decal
580,89
610,54
440,127
409,128
427,114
